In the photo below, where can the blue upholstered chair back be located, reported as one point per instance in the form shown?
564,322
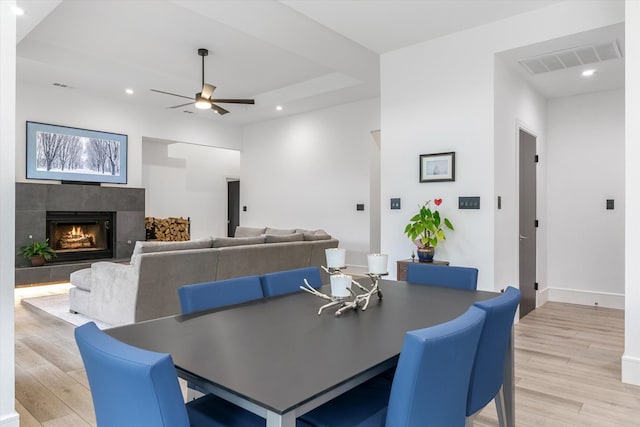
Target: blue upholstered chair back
432,378
289,281
442,275
204,296
130,387
488,369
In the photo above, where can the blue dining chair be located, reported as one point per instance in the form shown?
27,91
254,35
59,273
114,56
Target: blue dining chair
204,296
488,369
442,275
289,281
429,388
132,387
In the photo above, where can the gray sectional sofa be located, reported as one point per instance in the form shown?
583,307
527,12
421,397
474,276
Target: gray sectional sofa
146,288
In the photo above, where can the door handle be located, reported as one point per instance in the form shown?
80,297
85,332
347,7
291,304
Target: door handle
523,237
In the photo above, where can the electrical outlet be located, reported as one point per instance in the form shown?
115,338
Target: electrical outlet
360,206
395,203
610,204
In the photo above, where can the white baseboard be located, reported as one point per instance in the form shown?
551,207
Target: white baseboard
543,296
582,297
631,370
10,420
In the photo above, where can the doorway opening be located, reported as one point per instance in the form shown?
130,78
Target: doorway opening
233,206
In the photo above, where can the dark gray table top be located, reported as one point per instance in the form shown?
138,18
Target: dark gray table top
279,354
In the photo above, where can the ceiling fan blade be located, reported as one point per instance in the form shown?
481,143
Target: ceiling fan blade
173,94
219,109
207,90
182,105
235,101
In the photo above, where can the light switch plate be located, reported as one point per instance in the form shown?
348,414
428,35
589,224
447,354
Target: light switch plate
395,203
469,202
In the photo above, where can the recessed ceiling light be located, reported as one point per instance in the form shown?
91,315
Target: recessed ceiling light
129,91
279,107
588,73
17,11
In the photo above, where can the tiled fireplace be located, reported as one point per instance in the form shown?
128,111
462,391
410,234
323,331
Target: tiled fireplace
91,222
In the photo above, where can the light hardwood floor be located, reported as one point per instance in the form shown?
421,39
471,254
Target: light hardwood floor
567,371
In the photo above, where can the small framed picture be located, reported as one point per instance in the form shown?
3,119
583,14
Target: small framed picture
438,167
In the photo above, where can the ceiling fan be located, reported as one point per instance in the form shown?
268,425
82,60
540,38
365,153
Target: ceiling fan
203,98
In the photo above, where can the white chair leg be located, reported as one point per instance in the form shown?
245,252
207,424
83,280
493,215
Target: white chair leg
502,415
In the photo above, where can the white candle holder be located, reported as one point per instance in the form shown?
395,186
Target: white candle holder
336,258
377,263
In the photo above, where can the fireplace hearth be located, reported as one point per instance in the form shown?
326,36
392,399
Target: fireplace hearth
81,235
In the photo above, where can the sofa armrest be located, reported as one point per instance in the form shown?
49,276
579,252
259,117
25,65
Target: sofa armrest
114,289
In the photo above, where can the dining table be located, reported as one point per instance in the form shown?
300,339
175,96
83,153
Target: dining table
278,358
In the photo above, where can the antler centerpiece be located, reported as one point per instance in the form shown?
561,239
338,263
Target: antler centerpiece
345,292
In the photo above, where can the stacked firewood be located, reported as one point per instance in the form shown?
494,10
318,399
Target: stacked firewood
167,229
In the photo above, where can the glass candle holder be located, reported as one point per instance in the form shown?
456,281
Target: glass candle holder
336,257
377,263
340,285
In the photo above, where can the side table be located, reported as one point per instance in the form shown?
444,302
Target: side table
402,267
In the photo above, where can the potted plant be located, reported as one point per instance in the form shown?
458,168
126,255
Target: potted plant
37,252
425,229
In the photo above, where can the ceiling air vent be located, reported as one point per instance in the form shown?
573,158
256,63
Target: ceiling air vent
572,58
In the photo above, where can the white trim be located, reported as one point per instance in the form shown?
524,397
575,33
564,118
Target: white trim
630,370
8,415
582,297
11,420
543,297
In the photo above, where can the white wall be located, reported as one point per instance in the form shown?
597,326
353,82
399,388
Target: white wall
186,180
631,357
63,107
310,171
585,254
438,96
516,104
8,415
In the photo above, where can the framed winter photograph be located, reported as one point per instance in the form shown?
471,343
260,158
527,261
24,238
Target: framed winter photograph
438,167
71,154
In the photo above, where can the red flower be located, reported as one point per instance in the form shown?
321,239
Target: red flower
437,201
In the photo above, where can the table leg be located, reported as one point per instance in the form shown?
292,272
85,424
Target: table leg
284,420
509,385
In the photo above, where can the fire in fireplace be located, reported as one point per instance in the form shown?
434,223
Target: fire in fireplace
81,235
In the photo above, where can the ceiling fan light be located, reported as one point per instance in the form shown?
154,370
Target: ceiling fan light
202,103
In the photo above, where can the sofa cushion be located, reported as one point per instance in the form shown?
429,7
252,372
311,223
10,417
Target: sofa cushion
249,231
151,246
279,231
278,238
316,235
81,279
221,242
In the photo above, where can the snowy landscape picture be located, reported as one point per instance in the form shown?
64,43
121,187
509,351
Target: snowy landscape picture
72,154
